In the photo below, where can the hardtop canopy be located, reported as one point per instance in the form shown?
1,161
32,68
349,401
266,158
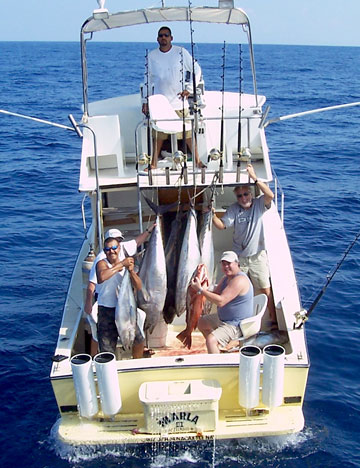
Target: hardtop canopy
229,16
154,15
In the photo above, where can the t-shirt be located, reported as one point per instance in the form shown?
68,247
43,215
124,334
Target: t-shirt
165,77
248,237
130,249
107,294
239,308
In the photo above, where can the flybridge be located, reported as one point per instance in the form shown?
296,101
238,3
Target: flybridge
102,20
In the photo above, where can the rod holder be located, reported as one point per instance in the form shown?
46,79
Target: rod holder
203,175
249,376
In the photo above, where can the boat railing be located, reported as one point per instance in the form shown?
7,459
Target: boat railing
279,198
250,134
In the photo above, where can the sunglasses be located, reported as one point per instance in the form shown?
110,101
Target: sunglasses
245,194
163,35
113,247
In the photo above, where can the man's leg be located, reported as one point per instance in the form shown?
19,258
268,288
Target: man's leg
138,349
196,155
158,143
106,329
260,276
207,324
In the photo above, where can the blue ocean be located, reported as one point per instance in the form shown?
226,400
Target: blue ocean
317,161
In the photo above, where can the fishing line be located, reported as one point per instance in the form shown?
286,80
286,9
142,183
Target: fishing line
329,278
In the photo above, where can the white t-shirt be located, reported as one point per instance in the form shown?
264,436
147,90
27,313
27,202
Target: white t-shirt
130,249
164,73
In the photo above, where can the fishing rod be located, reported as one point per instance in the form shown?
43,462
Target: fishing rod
313,111
328,280
194,103
238,165
221,167
184,149
148,118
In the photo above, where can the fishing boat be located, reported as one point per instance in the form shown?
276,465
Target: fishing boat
177,393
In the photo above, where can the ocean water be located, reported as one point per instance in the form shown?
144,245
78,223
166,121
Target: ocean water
317,160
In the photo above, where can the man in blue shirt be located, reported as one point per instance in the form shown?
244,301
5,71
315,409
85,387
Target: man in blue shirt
234,299
248,239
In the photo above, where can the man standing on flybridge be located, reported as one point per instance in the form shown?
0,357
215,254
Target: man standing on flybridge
166,75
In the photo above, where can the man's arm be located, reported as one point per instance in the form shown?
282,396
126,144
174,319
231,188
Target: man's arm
268,194
89,297
188,66
235,287
141,238
217,222
135,279
104,272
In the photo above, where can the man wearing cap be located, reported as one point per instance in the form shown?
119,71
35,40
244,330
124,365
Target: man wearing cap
127,249
248,238
234,299
110,272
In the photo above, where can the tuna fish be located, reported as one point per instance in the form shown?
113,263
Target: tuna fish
207,244
261,340
126,312
188,261
195,304
172,254
151,298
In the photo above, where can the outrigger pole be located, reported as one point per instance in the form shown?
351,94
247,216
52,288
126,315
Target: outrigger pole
313,111
328,280
35,119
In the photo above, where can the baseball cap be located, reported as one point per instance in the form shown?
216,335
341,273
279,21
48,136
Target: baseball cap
113,233
229,256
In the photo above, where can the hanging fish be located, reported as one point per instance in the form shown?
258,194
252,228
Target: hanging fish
188,261
195,305
206,243
126,312
172,254
151,298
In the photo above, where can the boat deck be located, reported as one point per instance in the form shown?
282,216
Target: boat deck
173,347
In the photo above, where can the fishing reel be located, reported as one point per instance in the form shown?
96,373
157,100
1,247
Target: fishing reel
143,159
245,154
178,157
214,154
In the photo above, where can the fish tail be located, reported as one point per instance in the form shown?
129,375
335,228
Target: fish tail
160,209
185,338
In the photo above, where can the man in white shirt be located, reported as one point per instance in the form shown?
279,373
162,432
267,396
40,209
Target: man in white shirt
166,75
127,249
